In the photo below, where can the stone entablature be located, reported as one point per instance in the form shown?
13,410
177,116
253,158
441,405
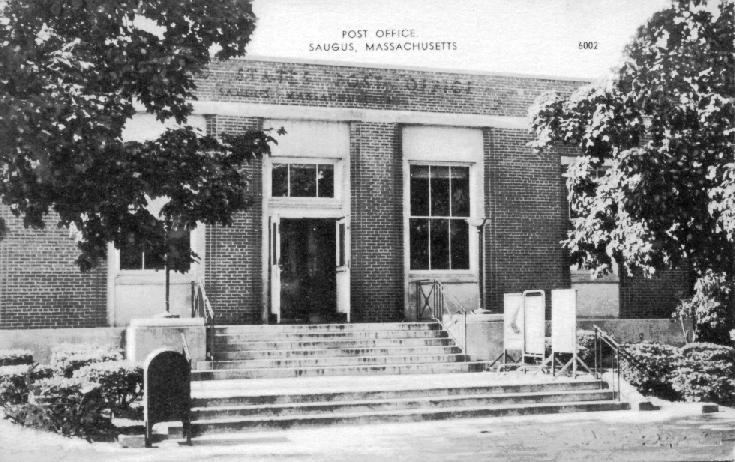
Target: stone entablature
353,86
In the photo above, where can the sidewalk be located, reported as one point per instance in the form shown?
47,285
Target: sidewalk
676,433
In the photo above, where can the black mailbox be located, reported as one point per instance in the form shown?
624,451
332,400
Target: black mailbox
167,388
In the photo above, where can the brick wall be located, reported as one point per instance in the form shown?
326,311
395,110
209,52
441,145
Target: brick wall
653,297
41,287
233,253
524,202
377,222
40,283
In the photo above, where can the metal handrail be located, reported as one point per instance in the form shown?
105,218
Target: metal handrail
185,348
619,350
602,337
439,308
202,308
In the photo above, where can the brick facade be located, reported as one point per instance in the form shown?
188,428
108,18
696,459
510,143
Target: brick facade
40,283
655,297
523,191
233,261
377,222
523,199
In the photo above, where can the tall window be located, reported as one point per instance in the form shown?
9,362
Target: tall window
440,205
302,180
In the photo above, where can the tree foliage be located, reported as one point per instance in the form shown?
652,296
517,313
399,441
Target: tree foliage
664,134
71,75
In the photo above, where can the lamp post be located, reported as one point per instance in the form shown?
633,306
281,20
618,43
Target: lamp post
479,223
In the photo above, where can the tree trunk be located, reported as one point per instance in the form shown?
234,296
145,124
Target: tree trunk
168,283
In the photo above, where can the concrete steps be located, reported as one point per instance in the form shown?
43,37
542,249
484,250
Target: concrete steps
266,377
280,351
340,352
330,361
309,336
416,402
395,399
236,424
354,327
378,369
340,389
331,343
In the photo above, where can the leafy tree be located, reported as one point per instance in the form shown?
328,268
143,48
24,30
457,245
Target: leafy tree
71,73
664,133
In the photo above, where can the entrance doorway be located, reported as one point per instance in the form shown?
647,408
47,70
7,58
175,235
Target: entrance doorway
308,272
309,269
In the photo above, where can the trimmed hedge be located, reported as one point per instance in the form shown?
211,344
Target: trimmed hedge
15,357
14,384
120,382
14,381
652,367
707,352
706,372
68,358
70,406
73,394
694,372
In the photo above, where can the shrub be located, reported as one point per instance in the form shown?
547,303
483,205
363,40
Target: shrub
42,371
14,381
706,372
649,367
586,344
704,382
30,415
120,382
14,357
69,358
14,384
70,406
708,308
707,352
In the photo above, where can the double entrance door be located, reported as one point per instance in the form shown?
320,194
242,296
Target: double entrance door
309,270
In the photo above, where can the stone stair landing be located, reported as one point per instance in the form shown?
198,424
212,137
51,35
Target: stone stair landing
258,404
282,351
266,377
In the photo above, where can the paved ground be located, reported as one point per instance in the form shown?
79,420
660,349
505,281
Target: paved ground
674,434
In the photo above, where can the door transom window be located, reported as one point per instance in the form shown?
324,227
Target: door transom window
302,180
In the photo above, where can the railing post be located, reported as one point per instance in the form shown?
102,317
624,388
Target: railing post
441,298
418,300
435,308
210,339
596,348
193,300
464,333
437,301
617,354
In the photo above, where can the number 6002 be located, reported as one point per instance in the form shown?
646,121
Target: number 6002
587,45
